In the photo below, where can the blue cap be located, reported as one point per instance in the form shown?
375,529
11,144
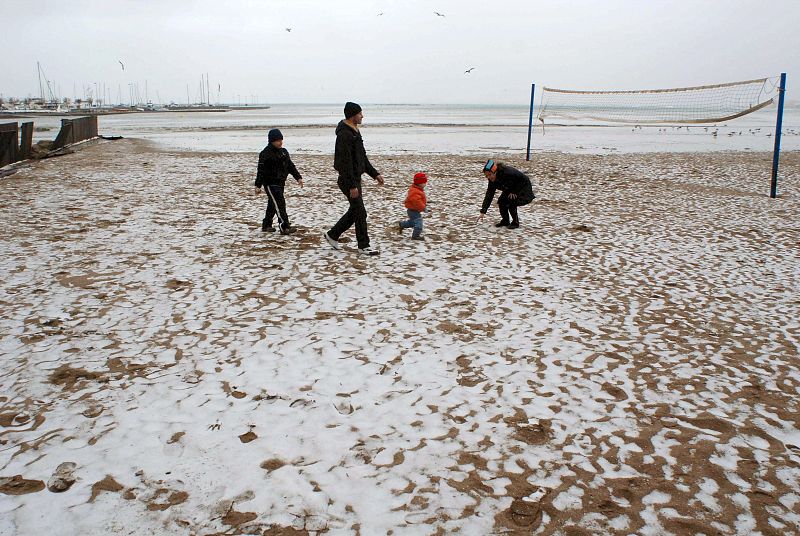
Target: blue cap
490,165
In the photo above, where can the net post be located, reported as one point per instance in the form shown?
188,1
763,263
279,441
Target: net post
530,124
773,187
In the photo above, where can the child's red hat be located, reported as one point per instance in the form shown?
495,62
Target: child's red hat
420,178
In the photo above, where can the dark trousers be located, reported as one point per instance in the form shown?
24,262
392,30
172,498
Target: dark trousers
508,207
276,205
356,214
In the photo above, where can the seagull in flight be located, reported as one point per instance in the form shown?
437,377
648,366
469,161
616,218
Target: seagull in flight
438,14
469,70
123,65
380,14
288,30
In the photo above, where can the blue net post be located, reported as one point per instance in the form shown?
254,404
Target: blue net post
530,124
773,187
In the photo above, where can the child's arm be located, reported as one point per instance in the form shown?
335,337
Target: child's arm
260,173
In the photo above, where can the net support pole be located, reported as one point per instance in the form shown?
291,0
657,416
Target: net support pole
530,124
773,186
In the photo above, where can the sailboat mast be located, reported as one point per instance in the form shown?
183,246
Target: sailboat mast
41,87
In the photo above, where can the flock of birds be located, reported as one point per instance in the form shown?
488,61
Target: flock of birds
468,71
289,30
715,132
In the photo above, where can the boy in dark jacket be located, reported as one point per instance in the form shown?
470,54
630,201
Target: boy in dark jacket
516,188
350,160
274,165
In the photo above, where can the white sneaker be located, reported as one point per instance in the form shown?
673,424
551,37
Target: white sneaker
334,244
368,251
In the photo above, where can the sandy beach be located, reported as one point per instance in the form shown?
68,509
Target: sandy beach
624,363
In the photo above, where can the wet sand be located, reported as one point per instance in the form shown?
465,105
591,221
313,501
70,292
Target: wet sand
626,362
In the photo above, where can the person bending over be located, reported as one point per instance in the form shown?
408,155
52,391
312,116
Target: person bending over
516,192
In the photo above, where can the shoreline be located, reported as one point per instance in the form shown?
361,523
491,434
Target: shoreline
47,113
396,131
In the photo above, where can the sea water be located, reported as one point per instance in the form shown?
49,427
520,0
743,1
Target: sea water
434,129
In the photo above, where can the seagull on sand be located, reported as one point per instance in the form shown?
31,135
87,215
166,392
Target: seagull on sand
123,65
438,14
469,70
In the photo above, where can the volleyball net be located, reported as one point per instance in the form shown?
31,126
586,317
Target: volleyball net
708,104
684,105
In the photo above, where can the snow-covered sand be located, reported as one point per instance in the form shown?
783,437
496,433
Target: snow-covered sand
626,362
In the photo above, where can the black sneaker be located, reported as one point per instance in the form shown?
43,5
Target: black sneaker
288,230
501,223
269,229
420,237
513,225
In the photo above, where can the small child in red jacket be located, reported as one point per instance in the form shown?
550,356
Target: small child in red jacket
415,203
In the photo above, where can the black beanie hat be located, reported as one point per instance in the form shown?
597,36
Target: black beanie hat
274,135
351,109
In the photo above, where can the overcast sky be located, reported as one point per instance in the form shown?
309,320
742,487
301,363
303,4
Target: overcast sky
341,50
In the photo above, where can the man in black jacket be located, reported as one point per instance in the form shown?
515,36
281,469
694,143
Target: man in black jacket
516,188
274,165
350,160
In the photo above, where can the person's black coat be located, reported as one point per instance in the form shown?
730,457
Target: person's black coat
274,165
511,181
350,157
